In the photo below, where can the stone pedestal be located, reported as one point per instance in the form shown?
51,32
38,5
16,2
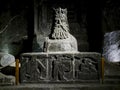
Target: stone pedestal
60,67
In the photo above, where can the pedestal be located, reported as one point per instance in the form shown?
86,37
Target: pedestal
60,67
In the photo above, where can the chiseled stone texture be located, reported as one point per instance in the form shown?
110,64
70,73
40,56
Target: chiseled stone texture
55,86
64,45
111,53
112,72
111,50
60,67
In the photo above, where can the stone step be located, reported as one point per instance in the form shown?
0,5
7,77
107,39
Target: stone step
62,87
111,81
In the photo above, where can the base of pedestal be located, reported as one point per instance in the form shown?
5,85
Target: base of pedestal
62,87
62,45
112,72
79,67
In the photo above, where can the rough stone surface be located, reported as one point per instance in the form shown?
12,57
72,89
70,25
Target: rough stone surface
44,20
60,67
6,79
13,30
111,53
60,39
62,87
111,50
6,59
112,72
64,45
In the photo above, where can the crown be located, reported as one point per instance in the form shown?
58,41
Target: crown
60,10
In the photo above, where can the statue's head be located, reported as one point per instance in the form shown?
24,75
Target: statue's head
61,27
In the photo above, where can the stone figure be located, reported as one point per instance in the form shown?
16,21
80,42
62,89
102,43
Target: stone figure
61,28
60,40
60,62
60,67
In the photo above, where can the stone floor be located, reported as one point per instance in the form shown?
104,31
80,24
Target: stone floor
62,87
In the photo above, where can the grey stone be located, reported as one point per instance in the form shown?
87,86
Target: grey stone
60,67
112,72
44,21
6,59
38,43
6,80
60,39
111,51
64,45
62,86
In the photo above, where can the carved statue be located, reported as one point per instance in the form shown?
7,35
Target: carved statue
61,28
60,40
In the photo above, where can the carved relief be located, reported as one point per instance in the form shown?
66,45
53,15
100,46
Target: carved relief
34,68
41,67
59,68
62,68
60,40
28,69
61,28
86,68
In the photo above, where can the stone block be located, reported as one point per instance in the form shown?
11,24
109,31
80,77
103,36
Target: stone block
111,51
60,67
112,72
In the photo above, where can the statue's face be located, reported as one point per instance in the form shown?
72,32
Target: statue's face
61,14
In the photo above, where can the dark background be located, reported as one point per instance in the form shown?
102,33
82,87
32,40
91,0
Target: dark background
89,20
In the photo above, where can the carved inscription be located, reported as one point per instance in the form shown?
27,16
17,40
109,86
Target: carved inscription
86,68
34,68
28,69
59,68
41,67
62,67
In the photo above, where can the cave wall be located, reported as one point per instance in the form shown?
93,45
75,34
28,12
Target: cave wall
13,26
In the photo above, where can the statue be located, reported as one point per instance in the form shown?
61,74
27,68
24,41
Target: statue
60,62
61,28
60,40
